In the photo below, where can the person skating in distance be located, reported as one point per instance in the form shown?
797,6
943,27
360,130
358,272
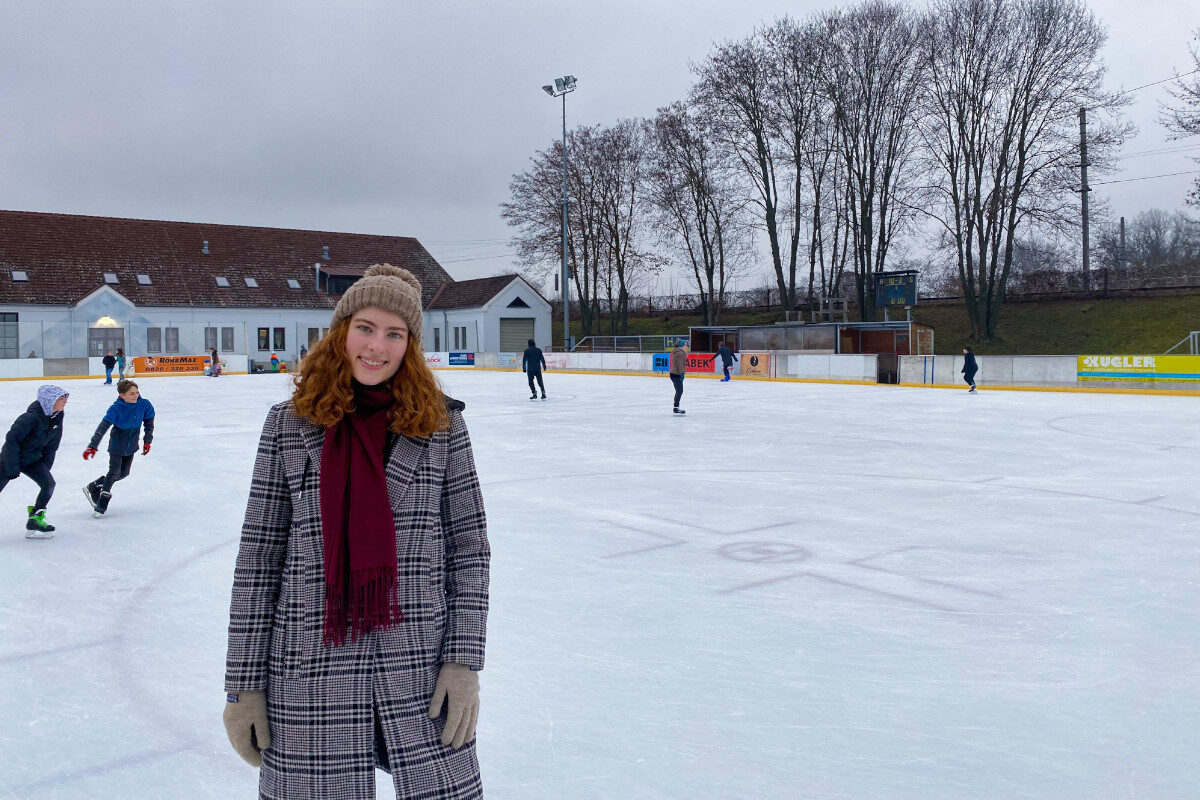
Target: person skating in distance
969,368
110,363
532,364
360,593
128,414
727,358
678,370
30,447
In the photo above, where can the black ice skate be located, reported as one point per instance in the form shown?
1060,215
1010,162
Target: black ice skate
543,395
92,492
679,411
36,526
102,506
533,396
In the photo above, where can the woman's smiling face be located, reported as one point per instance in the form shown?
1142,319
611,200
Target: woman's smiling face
375,344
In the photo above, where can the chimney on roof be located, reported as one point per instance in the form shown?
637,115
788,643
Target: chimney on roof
325,252
204,249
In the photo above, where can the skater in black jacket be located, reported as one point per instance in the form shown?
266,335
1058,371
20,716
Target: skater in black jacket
126,417
532,365
110,363
969,368
727,358
30,447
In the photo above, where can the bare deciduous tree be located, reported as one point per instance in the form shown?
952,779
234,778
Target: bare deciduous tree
1005,84
1183,116
872,75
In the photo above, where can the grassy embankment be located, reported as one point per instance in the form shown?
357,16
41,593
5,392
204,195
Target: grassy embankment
1129,325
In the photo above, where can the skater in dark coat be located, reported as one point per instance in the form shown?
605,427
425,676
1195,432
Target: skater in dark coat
360,592
969,368
30,447
678,370
532,365
110,363
126,416
727,358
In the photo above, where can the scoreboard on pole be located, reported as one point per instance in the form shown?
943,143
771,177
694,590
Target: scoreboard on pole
896,289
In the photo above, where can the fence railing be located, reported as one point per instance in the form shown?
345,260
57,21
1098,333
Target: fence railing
629,344
1192,340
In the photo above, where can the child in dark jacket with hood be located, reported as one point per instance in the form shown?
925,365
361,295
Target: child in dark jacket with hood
126,417
30,447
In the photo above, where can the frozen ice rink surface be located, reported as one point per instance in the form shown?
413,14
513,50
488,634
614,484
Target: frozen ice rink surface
795,591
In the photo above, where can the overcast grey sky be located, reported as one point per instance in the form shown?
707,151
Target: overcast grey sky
394,118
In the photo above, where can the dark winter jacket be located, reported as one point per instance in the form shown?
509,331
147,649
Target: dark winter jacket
727,356
35,435
109,361
969,364
126,421
533,361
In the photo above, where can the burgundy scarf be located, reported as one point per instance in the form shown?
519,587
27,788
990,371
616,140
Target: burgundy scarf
356,519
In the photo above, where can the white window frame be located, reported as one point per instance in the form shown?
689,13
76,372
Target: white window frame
222,281
20,276
251,283
111,279
293,283
144,279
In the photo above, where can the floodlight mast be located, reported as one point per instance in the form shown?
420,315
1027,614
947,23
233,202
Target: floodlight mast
561,88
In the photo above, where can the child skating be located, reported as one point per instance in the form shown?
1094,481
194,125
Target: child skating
126,416
30,447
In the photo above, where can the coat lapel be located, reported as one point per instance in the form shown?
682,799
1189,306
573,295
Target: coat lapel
406,457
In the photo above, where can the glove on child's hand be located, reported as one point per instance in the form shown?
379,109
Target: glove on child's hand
89,453
146,449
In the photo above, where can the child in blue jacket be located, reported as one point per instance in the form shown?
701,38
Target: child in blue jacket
30,447
126,417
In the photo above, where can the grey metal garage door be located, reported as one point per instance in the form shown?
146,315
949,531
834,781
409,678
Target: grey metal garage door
515,334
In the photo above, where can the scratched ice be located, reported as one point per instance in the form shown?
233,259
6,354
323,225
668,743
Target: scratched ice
794,591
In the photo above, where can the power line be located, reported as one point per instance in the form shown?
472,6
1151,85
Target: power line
1145,178
1155,83
1161,151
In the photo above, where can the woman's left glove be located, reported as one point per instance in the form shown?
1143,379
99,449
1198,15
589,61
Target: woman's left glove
246,725
458,687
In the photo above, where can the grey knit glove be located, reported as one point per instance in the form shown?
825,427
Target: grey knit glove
246,725
458,687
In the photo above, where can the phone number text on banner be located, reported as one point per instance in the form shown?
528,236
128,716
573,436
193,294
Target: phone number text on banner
1139,368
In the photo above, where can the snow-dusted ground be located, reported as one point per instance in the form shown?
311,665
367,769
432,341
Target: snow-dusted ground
794,591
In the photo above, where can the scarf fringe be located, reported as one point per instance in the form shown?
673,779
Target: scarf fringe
370,604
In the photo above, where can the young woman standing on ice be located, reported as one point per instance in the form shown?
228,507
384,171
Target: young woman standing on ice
360,593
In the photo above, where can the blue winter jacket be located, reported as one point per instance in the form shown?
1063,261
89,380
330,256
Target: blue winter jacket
126,420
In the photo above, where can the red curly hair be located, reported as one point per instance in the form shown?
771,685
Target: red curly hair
324,394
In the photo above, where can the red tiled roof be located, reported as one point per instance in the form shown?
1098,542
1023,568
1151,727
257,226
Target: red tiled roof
65,256
469,294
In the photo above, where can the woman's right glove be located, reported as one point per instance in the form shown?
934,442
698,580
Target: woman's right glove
246,725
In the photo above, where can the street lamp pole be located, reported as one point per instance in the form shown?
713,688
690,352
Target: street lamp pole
561,88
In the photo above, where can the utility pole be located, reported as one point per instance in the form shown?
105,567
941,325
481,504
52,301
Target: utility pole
1083,193
1121,246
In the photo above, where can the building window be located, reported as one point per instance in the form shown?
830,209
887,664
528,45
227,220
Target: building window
20,276
223,282
210,338
226,340
111,278
251,283
264,339
143,279
293,283
460,338
153,340
8,335
437,340
280,339
314,336
173,340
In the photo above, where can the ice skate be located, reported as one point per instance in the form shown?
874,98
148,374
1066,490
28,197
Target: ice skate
92,493
679,411
36,526
543,395
972,391
102,506
533,396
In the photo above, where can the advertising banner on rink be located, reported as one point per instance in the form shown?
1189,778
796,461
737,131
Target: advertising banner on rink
757,365
442,360
700,362
164,365
508,360
462,359
1139,368
662,362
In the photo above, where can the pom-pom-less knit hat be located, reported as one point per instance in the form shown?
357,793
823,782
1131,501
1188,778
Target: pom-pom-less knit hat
391,288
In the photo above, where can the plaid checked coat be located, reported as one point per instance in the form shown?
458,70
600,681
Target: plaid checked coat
322,702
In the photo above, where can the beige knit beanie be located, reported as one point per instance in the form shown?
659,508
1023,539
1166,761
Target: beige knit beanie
390,288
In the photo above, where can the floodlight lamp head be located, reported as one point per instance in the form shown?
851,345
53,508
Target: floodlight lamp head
548,89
